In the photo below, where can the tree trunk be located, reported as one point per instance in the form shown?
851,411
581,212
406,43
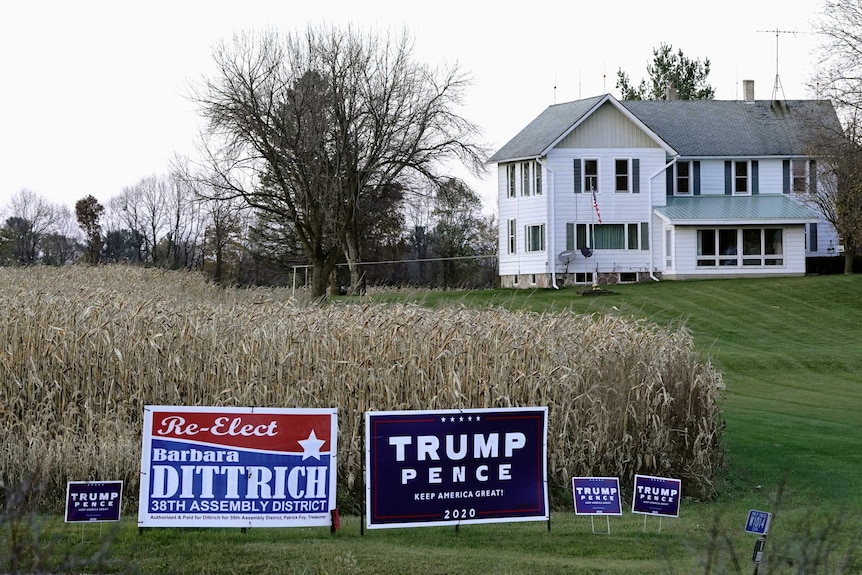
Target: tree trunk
357,278
848,260
321,272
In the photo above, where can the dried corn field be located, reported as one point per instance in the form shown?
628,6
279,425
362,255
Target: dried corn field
83,350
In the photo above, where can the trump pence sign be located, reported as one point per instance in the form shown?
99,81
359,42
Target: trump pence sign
449,467
237,467
656,495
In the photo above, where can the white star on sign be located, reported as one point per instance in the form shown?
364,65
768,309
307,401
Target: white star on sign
311,446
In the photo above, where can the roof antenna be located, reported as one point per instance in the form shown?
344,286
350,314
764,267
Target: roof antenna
555,87
778,85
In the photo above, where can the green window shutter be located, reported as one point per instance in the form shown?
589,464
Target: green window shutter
812,237
570,236
669,180
636,176
644,235
785,183
755,188
696,177
577,175
728,178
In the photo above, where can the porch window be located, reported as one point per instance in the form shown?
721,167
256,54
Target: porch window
759,247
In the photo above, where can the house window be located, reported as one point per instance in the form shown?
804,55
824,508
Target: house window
683,178
512,232
537,178
609,236
535,238
525,178
632,236
581,237
740,178
800,175
621,175
591,175
510,180
760,247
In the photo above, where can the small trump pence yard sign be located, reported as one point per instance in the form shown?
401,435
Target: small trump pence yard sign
448,467
93,501
656,496
237,467
596,496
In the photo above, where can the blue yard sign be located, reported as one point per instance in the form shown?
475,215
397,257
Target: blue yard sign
596,496
656,495
93,501
452,467
758,522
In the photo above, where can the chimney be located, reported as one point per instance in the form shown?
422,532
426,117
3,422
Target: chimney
671,93
748,90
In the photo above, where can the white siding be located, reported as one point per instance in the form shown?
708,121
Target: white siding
526,211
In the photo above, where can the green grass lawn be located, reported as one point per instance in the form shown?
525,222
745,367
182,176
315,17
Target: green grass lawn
791,357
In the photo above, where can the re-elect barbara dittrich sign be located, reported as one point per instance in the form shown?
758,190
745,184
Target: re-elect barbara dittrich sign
447,467
237,467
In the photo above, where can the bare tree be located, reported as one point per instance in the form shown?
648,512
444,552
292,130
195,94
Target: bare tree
314,122
838,77
30,217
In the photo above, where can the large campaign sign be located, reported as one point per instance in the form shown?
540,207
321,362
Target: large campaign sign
450,467
237,467
93,501
656,495
596,496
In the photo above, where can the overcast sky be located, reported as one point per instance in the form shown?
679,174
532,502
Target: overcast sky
93,91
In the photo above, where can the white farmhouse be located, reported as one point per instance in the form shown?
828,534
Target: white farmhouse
601,190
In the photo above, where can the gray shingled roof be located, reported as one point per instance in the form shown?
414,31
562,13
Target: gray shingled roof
734,128
544,130
694,128
762,208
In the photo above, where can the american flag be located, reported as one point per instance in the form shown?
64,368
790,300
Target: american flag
596,207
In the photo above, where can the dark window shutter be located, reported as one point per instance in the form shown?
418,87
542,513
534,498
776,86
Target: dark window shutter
577,175
728,178
812,237
669,173
636,175
696,177
786,181
755,187
812,177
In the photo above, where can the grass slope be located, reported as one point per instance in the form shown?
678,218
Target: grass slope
791,357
